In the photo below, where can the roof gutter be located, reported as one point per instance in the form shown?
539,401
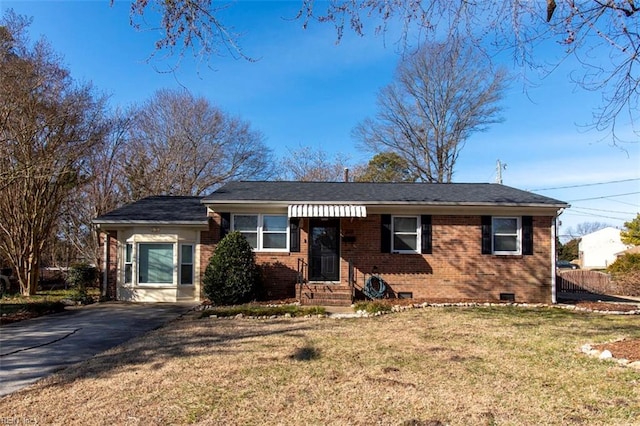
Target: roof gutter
99,223
285,203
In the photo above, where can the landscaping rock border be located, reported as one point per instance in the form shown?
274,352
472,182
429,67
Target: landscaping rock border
405,307
606,355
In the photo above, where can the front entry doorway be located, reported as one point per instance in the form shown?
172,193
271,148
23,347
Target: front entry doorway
324,250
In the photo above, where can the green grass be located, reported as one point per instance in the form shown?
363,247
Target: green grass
252,310
16,307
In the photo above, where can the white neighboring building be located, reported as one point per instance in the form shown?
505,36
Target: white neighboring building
598,249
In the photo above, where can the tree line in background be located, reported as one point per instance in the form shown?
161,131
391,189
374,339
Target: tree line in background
67,157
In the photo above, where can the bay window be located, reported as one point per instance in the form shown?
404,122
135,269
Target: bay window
155,263
186,264
159,263
128,263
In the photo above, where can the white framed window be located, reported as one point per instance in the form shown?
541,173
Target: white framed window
506,235
186,264
128,263
405,231
264,232
247,225
155,263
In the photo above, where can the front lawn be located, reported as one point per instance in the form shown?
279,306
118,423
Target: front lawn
15,307
433,366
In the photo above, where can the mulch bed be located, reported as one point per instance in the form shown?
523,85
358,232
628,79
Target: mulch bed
628,349
608,307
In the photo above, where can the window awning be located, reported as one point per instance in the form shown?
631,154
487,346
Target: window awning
327,210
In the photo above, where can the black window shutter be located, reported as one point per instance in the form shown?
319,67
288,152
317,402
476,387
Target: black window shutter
385,233
225,224
425,223
486,234
527,235
294,234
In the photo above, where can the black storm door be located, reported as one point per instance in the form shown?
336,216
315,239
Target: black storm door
324,250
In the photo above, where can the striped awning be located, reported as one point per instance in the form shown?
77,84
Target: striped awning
327,210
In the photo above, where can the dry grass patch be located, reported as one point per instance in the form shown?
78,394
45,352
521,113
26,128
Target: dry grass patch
431,366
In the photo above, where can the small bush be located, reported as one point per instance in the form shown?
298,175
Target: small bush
625,272
232,275
80,277
372,307
625,263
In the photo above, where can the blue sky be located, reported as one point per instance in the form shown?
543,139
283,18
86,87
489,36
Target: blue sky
304,90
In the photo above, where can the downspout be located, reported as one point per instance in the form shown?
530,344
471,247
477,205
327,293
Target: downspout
553,261
554,225
105,265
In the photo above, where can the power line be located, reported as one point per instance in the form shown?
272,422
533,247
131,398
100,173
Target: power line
605,197
602,210
586,184
584,214
622,202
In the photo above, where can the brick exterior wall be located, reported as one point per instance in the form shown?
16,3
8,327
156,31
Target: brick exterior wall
112,263
455,269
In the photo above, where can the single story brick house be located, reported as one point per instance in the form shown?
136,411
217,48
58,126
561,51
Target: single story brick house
322,241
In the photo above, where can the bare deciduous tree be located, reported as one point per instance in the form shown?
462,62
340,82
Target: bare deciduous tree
602,35
183,145
50,125
439,97
102,192
312,165
585,228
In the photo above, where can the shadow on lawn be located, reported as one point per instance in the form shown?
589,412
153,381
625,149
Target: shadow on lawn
181,338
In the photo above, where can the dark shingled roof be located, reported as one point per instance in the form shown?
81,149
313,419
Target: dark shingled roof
159,209
378,193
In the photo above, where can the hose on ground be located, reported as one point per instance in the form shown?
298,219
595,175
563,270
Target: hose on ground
374,287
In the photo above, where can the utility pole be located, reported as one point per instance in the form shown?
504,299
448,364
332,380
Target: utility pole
499,168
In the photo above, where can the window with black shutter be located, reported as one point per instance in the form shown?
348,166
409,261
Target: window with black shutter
294,234
225,224
385,233
486,235
426,234
527,235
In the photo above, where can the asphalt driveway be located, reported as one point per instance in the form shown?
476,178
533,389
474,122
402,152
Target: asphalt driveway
36,348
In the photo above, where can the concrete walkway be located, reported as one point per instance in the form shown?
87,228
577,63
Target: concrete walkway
33,349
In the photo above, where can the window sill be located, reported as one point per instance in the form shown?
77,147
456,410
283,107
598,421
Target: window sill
151,286
513,255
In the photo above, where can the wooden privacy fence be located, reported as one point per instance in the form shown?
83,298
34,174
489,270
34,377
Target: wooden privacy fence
583,281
